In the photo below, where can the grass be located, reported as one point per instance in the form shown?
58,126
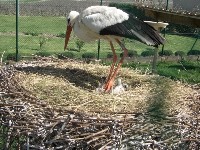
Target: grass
54,26
158,103
34,24
14,143
185,71
32,28
180,43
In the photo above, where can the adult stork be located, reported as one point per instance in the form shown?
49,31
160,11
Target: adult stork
111,24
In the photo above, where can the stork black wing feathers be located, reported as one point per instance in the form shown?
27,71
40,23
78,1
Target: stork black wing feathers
135,29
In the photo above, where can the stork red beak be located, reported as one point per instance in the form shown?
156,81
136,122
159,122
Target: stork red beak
68,32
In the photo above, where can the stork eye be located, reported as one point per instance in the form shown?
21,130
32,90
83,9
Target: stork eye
68,20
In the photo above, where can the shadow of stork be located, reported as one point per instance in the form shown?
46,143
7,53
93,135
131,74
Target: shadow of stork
78,77
158,101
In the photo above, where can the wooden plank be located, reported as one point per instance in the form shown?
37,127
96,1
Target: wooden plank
173,17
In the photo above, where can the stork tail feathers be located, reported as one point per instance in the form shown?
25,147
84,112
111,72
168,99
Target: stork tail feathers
135,29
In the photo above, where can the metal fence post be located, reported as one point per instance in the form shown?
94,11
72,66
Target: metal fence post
167,6
198,33
98,54
17,27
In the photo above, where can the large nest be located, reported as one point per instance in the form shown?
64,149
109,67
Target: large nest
53,104
71,85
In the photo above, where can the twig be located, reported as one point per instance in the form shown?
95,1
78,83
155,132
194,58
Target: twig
94,134
104,146
2,57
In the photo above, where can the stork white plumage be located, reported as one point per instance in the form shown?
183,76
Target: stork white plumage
111,24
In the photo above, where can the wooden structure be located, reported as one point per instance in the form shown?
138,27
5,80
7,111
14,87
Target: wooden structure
170,16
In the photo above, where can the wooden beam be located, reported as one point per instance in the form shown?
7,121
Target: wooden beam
184,19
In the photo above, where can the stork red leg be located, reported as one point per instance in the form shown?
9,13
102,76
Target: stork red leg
114,61
108,23
110,81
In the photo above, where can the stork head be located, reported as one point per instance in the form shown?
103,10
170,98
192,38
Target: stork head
70,23
72,17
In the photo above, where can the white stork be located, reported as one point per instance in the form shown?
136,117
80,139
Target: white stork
111,24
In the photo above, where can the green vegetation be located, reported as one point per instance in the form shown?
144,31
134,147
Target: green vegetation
43,53
194,52
88,55
130,54
179,53
185,71
79,44
33,24
110,55
53,28
42,41
13,143
44,36
67,54
12,56
147,53
165,53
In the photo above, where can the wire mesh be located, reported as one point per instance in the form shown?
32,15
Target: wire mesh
42,26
